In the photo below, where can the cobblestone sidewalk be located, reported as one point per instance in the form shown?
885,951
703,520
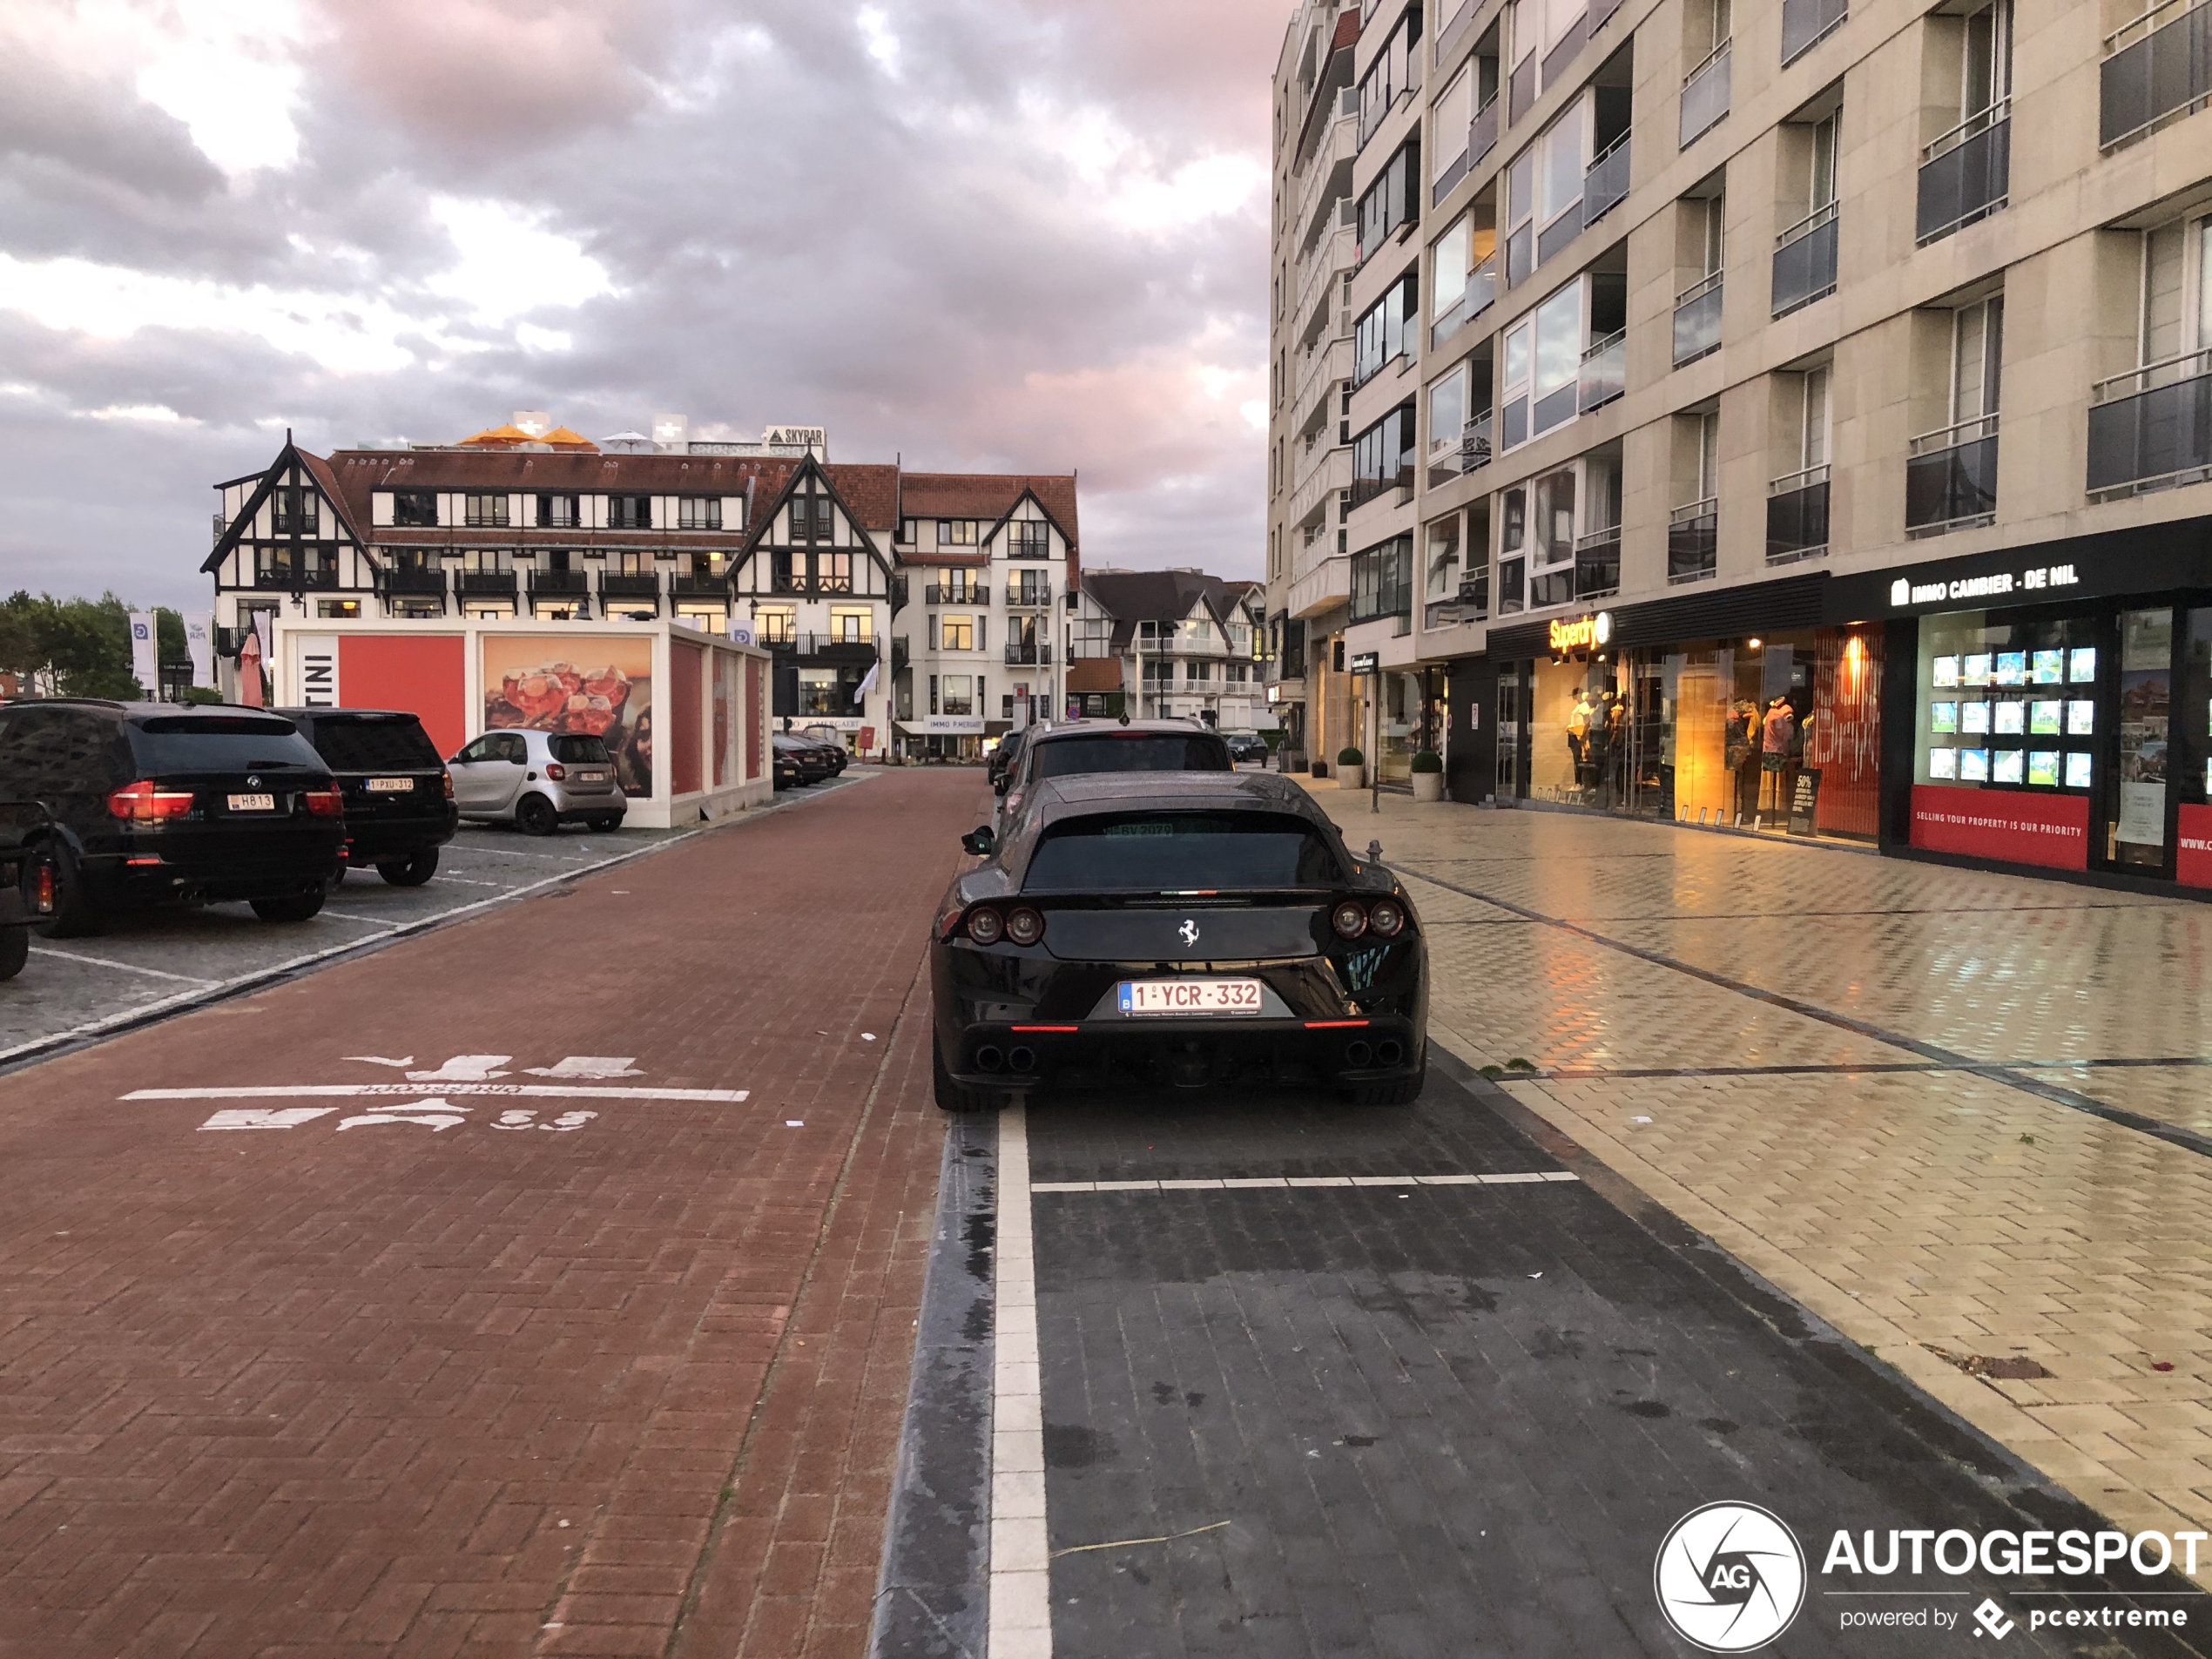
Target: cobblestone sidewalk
1961,1116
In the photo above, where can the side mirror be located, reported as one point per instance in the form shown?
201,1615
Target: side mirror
979,841
1005,783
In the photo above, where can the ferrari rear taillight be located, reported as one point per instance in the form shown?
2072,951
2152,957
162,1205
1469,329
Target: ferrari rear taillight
1024,925
986,926
146,802
1349,920
1385,917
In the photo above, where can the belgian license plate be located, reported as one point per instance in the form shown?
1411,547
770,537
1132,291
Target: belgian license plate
391,786
591,776
254,803
1189,996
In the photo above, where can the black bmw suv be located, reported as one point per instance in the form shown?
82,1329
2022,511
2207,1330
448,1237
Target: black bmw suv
400,808
155,803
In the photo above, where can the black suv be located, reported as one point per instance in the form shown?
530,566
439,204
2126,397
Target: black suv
399,796
27,891
155,803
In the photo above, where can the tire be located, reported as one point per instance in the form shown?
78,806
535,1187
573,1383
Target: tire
605,823
1399,1091
75,914
334,880
955,1096
533,815
14,951
294,907
411,872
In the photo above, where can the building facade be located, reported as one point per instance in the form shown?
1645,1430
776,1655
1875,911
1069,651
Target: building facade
815,559
1707,410
1170,645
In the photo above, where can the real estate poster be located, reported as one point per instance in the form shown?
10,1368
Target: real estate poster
596,684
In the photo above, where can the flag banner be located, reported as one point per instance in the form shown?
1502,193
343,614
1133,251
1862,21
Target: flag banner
146,659
199,643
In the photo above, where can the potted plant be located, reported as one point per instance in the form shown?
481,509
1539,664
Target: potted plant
1351,768
1429,775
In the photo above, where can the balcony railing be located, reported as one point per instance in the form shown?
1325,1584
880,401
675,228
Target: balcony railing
1449,36
1329,474
1704,95
1028,599
617,585
1692,541
1951,478
1557,234
1697,320
1597,563
406,579
1604,372
1606,182
1027,653
1366,489
686,585
287,577
2152,427
1465,454
1482,291
1805,24
485,584
1797,516
559,584
833,646
1804,261
1482,132
1964,174
939,593
2158,68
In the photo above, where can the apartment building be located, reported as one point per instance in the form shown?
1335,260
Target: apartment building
1170,645
1707,410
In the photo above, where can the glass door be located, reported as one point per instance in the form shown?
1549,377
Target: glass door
2136,828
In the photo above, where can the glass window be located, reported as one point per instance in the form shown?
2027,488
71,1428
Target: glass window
1447,404
1559,352
1448,271
2000,731
959,694
372,743
1173,853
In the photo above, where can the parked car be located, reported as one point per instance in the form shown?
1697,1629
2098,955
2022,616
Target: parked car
538,781
1004,756
399,796
789,775
27,890
1191,927
1108,745
1245,746
806,755
154,803
831,745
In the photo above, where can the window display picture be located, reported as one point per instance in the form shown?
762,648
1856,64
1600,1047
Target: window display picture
1995,735
533,681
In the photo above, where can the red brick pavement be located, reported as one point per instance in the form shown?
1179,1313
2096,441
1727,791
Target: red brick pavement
633,1389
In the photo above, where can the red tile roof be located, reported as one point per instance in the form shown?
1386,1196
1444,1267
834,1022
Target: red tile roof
988,496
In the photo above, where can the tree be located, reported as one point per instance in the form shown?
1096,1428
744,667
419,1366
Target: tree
69,647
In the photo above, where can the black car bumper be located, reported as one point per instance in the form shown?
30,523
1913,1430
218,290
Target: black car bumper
379,840
172,874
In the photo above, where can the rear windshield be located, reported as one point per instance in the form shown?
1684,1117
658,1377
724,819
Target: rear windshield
1137,752
1181,852
175,743
376,745
576,749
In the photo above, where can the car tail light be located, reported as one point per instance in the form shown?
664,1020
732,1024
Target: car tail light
1348,919
445,777
1024,925
146,802
42,890
985,926
325,803
555,771
1387,917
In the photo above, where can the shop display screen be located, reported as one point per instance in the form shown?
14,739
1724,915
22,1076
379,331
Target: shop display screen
1973,717
2049,667
2043,767
1942,716
1973,765
2012,719
2077,770
2043,717
1969,657
2082,664
2080,718
1946,671
1943,763
1974,670
2012,668
2008,766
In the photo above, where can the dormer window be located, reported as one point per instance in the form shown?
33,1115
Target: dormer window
629,512
486,510
1029,538
294,510
698,513
414,508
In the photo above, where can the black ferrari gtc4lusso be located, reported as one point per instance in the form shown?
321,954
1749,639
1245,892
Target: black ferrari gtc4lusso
1191,928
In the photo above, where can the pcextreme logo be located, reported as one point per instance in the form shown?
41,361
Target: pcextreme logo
1730,1577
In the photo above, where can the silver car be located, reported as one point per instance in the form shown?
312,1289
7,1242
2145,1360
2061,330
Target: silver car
538,780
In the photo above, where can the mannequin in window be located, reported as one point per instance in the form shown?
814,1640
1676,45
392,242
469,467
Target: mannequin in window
1778,732
1743,754
1578,733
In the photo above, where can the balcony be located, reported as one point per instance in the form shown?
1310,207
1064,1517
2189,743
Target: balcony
687,585
958,593
1028,653
1319,372
1554,236
1804,261
1964,174
1704,96
1797,516
1597,564
1603,376
411,581
289,577
1475,596
1951,478
1449,36
1482,132
1697,320
1482,291
630,590
1336,253
1805,24
1692,542
1367,489
2156,70
1329,471
559,584
1468,453
897,594
824,648
1032,599
485,584
1325,587
2152,427
1328,171
1605,184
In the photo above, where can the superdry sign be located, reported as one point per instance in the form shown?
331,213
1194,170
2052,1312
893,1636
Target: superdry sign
1569,635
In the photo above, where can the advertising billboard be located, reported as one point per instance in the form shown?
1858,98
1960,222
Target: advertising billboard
597,685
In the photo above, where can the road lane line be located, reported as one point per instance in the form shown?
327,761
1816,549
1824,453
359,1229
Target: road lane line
1278,1183
125,967
1020,1592
317,1091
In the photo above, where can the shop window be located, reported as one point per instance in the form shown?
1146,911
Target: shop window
821,693
2017,704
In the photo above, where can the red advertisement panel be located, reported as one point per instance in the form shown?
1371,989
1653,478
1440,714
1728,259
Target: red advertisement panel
2049,830
2193,862
423,673
687,685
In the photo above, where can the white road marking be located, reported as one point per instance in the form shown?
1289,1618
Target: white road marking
440,1115
1020,1602
464,1068
1526,1177
350,915
382,1060
124,967
323,1091
249,1118
515,853
589,1065
468,882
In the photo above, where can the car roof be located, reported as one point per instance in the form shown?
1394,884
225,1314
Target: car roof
1084,793
1113,728
141,710
348,714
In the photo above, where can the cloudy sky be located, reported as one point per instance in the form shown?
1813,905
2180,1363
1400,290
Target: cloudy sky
1019,234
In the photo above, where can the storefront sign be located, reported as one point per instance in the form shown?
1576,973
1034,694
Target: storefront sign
1904,592
2049,830
2193,859
950,724
1569,635
1364,662
1804,802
